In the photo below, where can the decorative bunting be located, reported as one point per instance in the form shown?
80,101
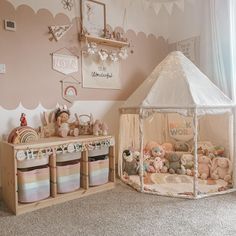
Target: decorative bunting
58,31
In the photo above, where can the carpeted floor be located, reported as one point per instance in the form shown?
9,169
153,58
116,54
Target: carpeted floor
123,211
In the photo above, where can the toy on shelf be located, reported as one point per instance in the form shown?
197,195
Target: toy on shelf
85,124
23,121
48,129
23,133
100,128
64,129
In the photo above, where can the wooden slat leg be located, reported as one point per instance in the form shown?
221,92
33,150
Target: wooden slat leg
112,164
53,174
84,170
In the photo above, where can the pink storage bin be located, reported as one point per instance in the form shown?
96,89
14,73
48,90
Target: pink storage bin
68,176
33,185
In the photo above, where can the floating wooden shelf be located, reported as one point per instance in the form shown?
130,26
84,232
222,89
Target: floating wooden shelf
104,41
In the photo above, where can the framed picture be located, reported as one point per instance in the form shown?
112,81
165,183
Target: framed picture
93,17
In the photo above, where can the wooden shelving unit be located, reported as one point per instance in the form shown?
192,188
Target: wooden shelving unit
104,41
9,172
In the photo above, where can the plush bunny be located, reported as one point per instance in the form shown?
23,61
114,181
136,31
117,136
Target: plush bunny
100,128
221,169
204,166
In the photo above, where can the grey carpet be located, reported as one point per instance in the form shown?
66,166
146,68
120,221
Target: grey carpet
123,211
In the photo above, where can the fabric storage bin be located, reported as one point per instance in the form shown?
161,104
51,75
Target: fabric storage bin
98,170
33,185
68,176
27,163
98,152
62,157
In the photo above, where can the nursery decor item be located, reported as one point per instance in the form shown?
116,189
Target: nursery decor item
70,89
64,61
23,133
58,31
100,128
131,165
67,4
62,116
204,166
32,173
23,121
178,103
174,163
99,73
187,164
48,129
85,124
221,169
93,16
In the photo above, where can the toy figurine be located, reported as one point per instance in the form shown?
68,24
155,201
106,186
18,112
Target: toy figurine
23,121
63,127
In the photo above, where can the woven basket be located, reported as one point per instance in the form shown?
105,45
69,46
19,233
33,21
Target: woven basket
85,127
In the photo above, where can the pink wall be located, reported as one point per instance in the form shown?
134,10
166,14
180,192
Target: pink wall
26,53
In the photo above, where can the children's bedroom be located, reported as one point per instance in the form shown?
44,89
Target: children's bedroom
118,117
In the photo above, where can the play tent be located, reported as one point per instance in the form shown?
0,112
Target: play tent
179,111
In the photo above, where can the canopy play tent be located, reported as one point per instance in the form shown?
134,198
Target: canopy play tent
179,111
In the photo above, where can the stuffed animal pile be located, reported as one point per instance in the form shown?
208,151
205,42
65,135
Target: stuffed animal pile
178,158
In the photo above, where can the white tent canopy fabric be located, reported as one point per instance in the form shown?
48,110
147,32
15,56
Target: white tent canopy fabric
176,83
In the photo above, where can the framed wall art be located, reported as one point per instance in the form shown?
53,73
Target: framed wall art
93,17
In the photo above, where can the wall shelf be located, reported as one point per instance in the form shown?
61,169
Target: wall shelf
104,41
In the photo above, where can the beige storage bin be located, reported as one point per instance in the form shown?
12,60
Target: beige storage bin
33,184
98,152
68,176
62,157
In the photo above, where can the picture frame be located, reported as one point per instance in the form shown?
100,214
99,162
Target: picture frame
93,18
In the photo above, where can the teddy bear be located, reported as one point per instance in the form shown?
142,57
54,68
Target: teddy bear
149,146
204,166
100,128
168,147
62,116
174,163
182,147
221,168
130,163
187,164
159,151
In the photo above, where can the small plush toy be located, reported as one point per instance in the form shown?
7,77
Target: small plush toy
158,164
182,147
130,164
148,165
221,169
187,164
204,166
159,151
149,146
168,147
100,128
62,116
174,163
